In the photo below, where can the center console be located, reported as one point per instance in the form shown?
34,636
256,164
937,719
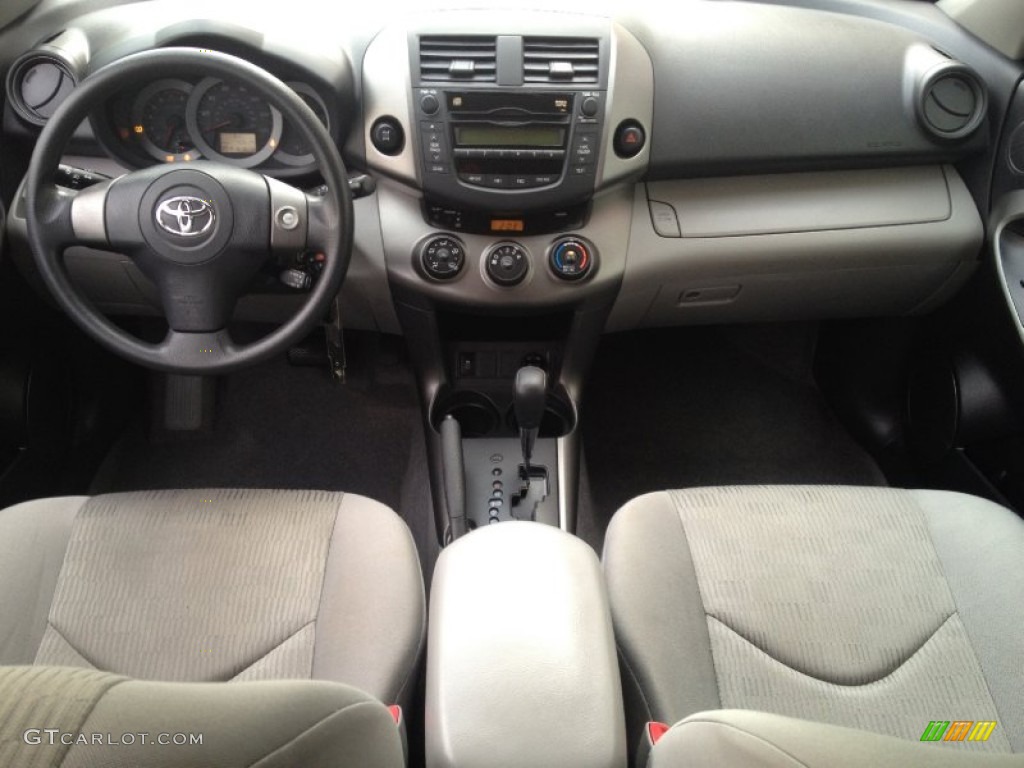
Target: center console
522,669
506,158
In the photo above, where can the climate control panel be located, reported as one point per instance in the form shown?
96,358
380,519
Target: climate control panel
505,263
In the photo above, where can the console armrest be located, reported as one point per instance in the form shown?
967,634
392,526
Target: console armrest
521,662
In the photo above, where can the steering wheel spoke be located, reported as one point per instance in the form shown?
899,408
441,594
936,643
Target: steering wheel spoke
89,216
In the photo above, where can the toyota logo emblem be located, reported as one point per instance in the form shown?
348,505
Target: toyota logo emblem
185,216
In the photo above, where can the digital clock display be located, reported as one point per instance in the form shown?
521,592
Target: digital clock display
507,225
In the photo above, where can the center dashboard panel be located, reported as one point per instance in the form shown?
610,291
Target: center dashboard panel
507,143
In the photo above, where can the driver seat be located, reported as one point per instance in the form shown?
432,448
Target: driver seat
205,586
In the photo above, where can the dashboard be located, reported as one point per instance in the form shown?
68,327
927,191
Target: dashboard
712,162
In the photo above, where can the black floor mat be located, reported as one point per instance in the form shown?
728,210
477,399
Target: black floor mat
707,406
279,426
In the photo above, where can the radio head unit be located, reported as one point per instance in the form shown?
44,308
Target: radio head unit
487,148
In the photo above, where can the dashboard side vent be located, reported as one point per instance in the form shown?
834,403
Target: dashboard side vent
561,60
464,58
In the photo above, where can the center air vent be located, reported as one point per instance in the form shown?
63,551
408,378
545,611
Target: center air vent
471,59
561,60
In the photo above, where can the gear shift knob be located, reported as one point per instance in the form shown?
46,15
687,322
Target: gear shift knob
529,398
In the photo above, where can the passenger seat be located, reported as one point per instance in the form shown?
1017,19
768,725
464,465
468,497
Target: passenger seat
805,625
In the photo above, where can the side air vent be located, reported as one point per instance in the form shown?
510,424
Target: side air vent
37,84
471,59
951,102
561,60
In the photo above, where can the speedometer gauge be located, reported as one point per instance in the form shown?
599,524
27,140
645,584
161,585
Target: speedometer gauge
232,123
293,149
158,121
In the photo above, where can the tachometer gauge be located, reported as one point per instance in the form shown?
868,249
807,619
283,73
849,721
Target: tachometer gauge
293,149
232,123
158,121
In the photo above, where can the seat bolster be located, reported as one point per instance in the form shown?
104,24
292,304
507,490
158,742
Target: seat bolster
980,545
762,740
33,540
372,621
659,619
88,719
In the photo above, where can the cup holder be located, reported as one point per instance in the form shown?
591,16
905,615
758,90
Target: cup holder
476,414
559,418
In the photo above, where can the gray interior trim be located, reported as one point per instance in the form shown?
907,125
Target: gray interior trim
806,202
522,669
630,97
743,87
1000,23
896,268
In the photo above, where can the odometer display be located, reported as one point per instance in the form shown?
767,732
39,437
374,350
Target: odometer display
233,123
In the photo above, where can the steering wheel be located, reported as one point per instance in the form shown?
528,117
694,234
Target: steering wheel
200,231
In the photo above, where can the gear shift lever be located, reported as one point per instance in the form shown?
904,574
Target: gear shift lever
529,398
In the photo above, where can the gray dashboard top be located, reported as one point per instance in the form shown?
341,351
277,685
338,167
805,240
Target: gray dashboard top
740,87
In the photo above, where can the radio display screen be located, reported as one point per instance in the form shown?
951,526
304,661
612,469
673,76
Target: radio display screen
509,136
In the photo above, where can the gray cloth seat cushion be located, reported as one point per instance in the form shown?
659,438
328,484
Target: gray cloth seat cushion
760,740
83,718
869,608
213,586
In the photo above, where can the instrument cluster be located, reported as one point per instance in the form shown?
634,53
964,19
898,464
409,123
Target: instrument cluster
174,120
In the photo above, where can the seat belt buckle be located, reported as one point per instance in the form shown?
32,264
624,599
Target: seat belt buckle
399,717
653,731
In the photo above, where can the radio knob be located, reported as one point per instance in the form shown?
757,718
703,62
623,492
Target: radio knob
571,258
442,257
507,264
589,106
429,104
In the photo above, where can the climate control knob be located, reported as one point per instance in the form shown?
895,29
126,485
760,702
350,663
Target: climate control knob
507,263
442,257
571,258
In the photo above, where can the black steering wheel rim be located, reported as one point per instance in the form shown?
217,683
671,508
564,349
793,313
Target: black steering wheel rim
48,214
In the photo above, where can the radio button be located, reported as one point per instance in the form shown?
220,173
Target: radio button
473,178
